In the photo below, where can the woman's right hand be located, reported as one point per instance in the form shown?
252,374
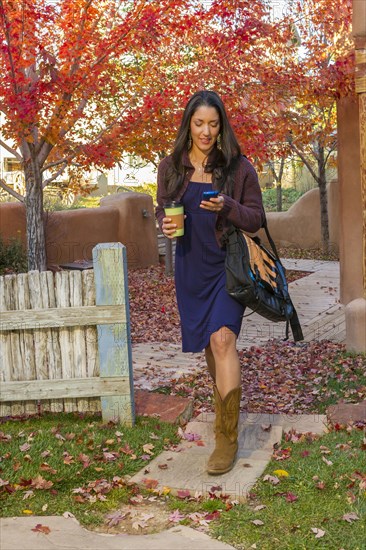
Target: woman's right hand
168,228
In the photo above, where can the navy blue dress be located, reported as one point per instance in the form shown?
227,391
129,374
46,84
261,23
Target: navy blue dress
203,303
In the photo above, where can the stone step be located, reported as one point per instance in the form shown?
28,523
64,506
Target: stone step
169,408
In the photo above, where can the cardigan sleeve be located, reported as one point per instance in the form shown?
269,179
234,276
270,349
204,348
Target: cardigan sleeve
245,210
159,209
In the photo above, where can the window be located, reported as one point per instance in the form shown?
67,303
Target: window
11,164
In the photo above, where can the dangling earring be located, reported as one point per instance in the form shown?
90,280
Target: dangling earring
218,141
189,141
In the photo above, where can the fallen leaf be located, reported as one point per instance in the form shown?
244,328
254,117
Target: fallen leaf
183,494
24,447
40,483
327,462
44,507
318,532
176,516
266,427
257,522
42,529
281,473
47,468
150,483
45,454
27,512
350,517
260,507
272,479
290,497
114,518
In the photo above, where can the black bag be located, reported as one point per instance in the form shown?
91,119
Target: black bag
256,278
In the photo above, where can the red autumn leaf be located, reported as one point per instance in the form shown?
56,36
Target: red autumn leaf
150,483
290,497
42,529
183,494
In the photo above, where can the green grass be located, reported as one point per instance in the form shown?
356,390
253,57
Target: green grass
322,494
78,452
346,380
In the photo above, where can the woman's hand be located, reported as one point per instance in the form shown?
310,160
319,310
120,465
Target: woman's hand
214,204
168,228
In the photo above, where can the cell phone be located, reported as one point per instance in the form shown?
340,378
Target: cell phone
207,195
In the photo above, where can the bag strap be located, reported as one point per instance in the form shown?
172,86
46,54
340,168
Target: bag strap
270,240
294,321
295,326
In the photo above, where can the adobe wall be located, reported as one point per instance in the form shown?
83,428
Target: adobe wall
299,226
71,234
137,226
12,221
350,212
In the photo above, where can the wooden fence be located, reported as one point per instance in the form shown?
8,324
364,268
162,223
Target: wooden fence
65,340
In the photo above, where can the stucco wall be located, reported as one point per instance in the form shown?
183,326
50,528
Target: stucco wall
299,226
136,226
72,234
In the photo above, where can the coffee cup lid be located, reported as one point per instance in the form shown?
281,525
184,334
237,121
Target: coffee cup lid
172,204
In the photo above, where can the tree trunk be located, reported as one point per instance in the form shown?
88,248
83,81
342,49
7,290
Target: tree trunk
278,179
34,214
322,183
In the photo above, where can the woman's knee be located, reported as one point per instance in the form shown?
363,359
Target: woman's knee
222,341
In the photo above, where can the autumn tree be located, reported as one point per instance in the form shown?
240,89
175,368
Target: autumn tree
326,67
68,78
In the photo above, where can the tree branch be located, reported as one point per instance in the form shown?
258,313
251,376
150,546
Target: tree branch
53,164
331,149
56,175
11,150
305,160
11,191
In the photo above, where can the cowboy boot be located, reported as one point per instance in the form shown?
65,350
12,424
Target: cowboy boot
226,432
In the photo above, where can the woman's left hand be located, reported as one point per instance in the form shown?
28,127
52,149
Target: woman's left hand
214,205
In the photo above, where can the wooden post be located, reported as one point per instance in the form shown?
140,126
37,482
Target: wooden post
359,34
114,340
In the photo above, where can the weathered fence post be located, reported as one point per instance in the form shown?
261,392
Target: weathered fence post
114,340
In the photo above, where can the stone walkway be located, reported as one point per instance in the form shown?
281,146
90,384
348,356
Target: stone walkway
185,468
316,298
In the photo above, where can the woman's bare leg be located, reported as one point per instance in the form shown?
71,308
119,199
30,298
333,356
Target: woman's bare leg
210,360
226,360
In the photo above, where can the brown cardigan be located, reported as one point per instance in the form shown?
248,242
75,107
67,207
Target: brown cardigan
244,209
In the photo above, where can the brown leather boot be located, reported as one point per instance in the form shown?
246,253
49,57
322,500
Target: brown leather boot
226,432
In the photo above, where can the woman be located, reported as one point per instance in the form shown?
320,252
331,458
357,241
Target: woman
207,156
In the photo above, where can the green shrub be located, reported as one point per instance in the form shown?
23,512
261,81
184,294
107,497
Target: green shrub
147,188
13,257
289,196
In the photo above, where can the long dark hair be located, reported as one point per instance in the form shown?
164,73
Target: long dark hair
222,161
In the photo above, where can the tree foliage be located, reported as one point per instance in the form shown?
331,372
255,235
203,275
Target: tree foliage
83,81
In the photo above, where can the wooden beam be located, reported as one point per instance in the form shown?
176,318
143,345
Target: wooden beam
62,317
64,388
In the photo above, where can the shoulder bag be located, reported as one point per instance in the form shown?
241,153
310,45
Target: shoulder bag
256,278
